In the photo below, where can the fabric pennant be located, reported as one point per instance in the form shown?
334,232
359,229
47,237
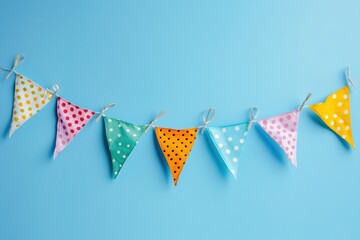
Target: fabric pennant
335,112
283,129
229,141
176,146
71,120
29,99
122,137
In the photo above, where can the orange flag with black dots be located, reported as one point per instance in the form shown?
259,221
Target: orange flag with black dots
176,146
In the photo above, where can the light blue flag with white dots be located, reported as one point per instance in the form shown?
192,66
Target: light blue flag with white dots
229,141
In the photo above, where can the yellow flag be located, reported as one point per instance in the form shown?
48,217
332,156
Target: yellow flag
335,112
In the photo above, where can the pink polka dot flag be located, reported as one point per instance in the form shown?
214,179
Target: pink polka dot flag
71,119
283,129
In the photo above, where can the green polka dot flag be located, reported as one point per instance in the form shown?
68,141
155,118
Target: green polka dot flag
121,137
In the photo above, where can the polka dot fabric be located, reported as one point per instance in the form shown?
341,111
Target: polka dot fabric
176,146
283,129
71,120
29,99
122,137
335,112
229,141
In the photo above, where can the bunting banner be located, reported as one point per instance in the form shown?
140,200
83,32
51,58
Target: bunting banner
335,112
283,129
176,146
29,99
229,141
122,137
71,120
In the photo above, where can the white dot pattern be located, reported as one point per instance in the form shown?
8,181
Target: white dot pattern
335,112
122,138
229,141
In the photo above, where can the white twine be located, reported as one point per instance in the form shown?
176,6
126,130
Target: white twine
348,79
155,119
304,102
107,107
17,61
210,115
254,112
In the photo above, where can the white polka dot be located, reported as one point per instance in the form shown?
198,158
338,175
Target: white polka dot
220,145
134,135
339,104
224,130
235,160
118,152
332,123
341,121
335,116
138,128
120,165
346,112
236,148
237,128
109,120
216,136
345,96
119,125
338,129
227,151
111,129
127,130
326,116
343,136
246,133
232,171
347,127
229,139
334,96
115,173
110,140
120,143
128,145
119,135
124,156
242,141
113,160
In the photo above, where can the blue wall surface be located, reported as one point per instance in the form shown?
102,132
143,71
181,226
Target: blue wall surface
183,56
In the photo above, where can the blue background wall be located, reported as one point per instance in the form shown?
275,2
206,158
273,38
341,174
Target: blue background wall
183,56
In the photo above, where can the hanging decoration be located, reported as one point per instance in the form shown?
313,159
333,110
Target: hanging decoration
229,141
335,112
19,59
283,129
29,99
122,137
176,146
71,120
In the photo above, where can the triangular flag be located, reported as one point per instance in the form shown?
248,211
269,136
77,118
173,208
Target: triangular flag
283,129
29,99
335,112
229,141
176,146
121,137
71,119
